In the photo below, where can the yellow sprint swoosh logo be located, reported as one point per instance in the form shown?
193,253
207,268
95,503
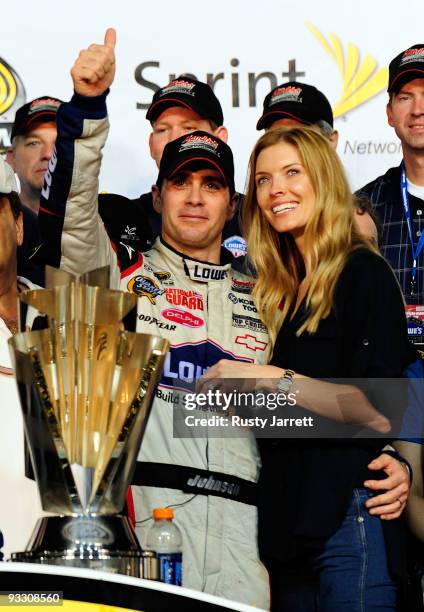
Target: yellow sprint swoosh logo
8,87
360,80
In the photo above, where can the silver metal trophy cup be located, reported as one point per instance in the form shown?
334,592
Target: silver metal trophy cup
86,387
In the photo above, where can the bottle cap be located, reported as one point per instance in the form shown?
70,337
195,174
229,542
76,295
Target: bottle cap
163,513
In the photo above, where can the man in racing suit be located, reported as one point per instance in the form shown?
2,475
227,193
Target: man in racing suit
191,297
186,294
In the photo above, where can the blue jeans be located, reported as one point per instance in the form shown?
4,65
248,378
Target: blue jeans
349,574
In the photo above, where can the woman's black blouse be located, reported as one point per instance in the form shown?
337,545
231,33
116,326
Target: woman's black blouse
306,484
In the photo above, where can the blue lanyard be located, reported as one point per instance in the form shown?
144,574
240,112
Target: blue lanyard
416,251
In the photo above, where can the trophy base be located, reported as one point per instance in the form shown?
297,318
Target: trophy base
101,542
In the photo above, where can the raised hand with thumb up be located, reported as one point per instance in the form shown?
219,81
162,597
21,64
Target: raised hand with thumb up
94,69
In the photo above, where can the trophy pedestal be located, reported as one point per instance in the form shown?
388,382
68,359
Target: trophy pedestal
101,542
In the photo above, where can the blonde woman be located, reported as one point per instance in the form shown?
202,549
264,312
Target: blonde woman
334,310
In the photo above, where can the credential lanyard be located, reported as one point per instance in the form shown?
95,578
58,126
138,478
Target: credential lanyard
416,251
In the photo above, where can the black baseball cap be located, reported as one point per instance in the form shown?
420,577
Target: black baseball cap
304,103
187,93
200,147
40,110
406,66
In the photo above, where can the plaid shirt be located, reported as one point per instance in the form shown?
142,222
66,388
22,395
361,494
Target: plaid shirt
384,193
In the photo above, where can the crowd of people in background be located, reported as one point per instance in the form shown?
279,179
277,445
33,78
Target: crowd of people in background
333,281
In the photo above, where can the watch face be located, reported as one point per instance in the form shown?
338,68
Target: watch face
284,384
285,381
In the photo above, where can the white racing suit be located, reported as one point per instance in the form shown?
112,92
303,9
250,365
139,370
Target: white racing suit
207,314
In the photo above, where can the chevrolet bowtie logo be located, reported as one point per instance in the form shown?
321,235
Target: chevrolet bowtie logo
361,80
251,342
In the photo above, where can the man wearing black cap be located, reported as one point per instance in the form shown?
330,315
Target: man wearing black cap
33,140
293,103
188,294
33,137
398,195
398,199
182,106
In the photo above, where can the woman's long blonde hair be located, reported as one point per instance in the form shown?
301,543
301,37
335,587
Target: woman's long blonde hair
330,234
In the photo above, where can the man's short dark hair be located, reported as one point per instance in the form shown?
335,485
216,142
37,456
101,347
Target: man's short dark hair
14,201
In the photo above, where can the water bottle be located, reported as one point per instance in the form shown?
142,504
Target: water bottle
164,538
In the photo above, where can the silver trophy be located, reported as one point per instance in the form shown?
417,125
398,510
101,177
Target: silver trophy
86,387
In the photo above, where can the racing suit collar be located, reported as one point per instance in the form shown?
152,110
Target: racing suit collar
201,271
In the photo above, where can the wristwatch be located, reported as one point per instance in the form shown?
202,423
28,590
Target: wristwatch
285,382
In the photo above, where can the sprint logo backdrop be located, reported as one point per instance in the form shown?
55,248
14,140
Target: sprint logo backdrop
242,48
